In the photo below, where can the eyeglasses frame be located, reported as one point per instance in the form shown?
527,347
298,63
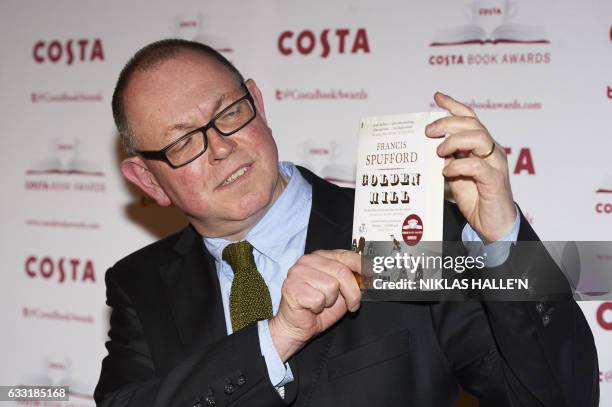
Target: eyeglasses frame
160,155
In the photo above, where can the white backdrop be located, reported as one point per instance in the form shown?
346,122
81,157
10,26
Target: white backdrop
537,73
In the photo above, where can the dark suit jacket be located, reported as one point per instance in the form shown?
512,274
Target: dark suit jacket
168,343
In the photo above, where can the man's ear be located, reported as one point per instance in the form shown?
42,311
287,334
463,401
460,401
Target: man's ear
256,93
137,172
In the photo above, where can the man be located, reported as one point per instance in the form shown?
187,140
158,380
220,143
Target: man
296,333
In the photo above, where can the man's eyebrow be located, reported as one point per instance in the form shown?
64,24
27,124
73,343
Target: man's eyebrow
189,126
179,126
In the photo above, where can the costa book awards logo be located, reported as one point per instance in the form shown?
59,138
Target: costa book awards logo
63,161
492,23
323,157
64,158
54,369
412,230
193,26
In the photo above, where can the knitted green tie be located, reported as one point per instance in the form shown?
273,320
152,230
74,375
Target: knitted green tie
249,298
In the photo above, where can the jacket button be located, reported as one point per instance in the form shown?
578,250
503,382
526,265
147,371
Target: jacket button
241,380
229,387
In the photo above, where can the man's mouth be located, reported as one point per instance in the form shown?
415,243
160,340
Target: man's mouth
237,174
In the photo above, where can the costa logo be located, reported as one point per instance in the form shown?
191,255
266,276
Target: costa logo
62,269
524,161
601,207
339,41
68,51
495,11
605,190
605,320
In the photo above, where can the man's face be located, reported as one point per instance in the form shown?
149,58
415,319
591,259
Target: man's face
182,94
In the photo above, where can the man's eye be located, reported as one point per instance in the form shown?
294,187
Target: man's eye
183,144
233,113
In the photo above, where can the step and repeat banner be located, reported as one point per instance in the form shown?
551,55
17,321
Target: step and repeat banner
536,72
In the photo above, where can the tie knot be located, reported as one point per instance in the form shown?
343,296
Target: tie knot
239,255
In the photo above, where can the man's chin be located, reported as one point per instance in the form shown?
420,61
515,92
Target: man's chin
252,205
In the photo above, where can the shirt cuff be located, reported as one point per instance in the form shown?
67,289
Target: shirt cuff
279,373
495,253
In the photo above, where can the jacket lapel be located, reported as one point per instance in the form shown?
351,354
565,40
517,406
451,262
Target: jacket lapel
331,217
329,227
193,292
194,297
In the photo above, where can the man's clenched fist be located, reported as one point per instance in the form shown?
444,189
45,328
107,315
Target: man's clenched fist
320,288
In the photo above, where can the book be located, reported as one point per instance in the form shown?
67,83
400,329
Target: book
504,33
399,191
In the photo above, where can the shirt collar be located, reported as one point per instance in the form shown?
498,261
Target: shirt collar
282,221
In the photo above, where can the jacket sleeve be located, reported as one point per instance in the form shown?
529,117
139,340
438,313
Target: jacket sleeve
522,353
230,370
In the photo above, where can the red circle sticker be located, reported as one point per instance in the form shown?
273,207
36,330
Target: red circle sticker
412,229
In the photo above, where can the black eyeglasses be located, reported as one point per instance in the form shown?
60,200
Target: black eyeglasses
187,148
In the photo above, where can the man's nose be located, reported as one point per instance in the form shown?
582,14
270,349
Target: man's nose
219,147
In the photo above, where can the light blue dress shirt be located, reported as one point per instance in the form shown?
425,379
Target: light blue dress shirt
495,253
279,239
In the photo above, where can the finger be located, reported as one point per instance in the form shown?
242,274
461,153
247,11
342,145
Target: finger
478,142
347,257
349,279
327,262
334,313
452,106
452,124
473,167
308,297
329,286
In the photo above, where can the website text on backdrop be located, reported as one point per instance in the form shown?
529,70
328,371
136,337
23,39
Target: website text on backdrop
175,333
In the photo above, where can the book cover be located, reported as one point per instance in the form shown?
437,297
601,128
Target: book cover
399,192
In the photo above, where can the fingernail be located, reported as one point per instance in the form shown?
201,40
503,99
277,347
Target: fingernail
440,148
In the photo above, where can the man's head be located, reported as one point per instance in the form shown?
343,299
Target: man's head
172,87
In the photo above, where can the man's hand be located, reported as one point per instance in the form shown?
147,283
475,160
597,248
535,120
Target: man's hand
320,288
480,185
